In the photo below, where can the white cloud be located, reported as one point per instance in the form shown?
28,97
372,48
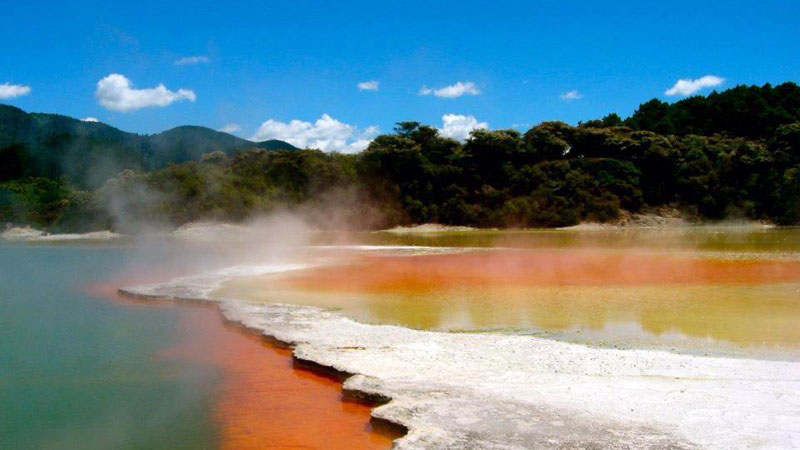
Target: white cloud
571,95
362,139
190,60
8,90
687,86
90,119
452,91
458,126
116,93
371,85
231,128
326,134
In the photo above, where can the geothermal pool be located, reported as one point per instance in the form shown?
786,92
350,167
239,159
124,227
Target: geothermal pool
704,290
77,360
82,368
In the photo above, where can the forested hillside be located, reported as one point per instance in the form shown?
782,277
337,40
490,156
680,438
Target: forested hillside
87,153
734,154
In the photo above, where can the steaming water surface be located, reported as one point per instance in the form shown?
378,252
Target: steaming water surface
83,369
698,290
78,372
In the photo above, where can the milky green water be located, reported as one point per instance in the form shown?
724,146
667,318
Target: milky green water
78,372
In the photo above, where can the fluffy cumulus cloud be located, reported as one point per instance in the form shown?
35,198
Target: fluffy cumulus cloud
117,93
452,91
8,90
90,119
371,85
191,60
326,133
458,126
571,95
231,128
687,86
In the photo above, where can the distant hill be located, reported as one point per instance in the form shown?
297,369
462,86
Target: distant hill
275,144
187,143
88,153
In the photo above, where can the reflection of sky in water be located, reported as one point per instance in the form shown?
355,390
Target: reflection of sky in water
704,315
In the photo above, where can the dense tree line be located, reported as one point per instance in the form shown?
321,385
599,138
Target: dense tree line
698,155
746,111
556,174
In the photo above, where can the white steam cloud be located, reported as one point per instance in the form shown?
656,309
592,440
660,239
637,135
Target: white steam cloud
326,134
453,91
8,90
90,119
687,86
116,93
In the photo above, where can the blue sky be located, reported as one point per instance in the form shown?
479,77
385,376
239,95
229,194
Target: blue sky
275,62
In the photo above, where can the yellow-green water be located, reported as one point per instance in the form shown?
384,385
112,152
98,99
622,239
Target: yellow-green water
733,239
703,314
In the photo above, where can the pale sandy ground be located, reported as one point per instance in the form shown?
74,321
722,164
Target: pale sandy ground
426,228
27,234
207,230
626,221
494,391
